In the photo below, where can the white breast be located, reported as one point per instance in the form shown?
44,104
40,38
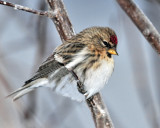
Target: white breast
96,79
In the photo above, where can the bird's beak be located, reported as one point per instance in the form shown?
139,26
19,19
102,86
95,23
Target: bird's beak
112,51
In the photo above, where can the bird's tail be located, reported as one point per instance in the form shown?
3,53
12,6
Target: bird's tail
28,88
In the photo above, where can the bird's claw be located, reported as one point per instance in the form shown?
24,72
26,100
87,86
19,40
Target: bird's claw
80,87
91,101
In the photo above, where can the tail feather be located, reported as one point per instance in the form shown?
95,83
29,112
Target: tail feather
17,91
21,93
28,88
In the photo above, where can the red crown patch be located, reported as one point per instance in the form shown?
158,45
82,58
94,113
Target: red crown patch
113,39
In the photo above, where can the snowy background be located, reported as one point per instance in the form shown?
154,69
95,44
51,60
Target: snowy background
26,40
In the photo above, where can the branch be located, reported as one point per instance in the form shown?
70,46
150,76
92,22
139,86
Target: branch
100,112
26,9
64,27
142,22
61,20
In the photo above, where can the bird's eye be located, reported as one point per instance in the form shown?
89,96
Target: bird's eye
106,44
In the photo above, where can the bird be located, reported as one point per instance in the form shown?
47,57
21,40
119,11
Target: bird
89,54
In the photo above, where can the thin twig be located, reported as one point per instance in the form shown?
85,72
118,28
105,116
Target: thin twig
26,9
142,22
99,111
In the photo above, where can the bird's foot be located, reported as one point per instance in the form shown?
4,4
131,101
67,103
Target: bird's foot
81,87
90,101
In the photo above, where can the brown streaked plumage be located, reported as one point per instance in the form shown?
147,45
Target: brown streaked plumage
88,54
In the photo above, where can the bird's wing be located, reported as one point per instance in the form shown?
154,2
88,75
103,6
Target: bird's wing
62,55
53,74
66,84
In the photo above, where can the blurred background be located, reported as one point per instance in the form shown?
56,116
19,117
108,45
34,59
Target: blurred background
26,40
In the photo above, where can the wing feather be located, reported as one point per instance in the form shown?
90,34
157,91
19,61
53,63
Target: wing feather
53,74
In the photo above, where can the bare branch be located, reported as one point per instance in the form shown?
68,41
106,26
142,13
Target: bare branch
142,22
26,9
64,27
99,111
61,20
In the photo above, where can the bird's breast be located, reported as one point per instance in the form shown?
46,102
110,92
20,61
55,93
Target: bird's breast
96,76
92,68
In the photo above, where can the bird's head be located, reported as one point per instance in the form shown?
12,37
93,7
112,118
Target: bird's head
103,37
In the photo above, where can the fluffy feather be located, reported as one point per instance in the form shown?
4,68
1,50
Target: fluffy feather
87,54
28,88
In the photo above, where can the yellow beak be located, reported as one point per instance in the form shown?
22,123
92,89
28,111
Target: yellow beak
112,51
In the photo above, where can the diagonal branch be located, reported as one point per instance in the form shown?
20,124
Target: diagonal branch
99,111
26,9
142,22
61,20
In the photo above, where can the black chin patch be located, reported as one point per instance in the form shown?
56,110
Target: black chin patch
109,55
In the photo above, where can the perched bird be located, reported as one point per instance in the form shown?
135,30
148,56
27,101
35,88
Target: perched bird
88,54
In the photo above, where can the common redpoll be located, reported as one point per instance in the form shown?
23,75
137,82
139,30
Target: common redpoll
88,54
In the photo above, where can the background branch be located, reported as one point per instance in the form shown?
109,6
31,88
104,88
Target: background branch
26,9
64,27
142,22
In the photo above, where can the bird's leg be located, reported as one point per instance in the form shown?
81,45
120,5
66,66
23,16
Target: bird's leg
80,87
